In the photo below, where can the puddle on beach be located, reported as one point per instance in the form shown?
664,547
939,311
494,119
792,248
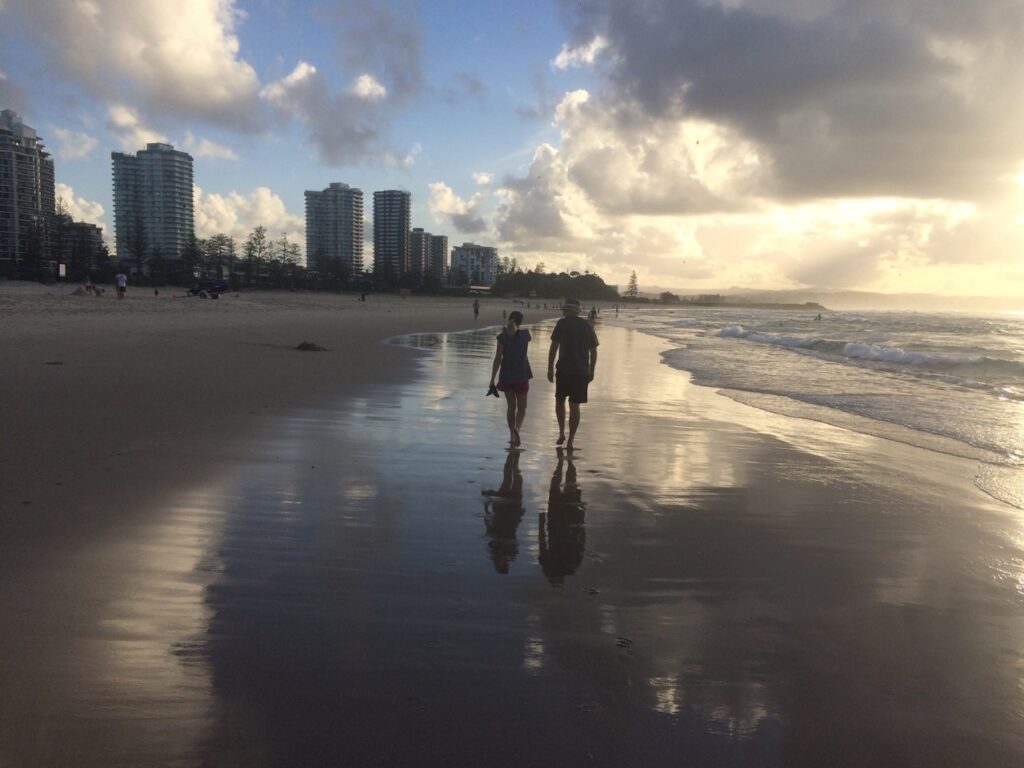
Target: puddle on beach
382,583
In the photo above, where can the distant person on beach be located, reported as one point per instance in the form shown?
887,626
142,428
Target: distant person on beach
502,513
122,284
561,532
592,317
574,343
512,368
476,308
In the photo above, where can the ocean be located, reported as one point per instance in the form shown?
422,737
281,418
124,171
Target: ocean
947,382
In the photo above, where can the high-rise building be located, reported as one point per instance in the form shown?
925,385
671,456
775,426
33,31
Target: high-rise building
475,264
392,216
80,246
437,255
27,198
419,251
334,229
153,208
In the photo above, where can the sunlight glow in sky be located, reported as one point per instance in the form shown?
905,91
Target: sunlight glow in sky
706,144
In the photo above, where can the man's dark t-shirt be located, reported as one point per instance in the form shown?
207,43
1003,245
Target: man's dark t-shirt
575,337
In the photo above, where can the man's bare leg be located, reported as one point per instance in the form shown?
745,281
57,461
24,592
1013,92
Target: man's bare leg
560,414
574,423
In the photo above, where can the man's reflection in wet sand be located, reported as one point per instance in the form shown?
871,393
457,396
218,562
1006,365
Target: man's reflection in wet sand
563,536
504,510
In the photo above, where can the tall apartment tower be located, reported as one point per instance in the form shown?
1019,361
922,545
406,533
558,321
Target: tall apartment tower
419,251
392,217
27,198
153,208
334,229
437,255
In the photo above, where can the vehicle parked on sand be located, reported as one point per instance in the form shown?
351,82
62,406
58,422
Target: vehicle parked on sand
209,289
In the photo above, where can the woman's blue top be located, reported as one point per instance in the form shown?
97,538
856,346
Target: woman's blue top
515,367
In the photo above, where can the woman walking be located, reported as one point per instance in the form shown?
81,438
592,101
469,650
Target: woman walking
515,374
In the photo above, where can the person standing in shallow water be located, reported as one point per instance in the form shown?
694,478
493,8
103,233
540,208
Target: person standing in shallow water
512,368
574,343
476,308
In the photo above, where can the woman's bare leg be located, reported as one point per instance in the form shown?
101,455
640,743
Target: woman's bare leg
520,413
510,416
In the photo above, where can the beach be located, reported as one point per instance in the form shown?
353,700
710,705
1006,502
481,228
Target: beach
220,550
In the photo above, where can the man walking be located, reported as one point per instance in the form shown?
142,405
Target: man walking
574,343
122,284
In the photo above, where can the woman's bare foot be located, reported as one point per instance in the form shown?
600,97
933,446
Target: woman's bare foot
560,440
515,439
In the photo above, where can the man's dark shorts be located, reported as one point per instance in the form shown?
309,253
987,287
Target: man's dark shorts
572,386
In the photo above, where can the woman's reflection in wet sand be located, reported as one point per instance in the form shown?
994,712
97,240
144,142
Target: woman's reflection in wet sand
563,535
504,509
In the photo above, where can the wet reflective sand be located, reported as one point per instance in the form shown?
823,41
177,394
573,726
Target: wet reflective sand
381,583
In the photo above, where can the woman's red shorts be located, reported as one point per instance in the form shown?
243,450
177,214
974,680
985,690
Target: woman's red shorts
520,387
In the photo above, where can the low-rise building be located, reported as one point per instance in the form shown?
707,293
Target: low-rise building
474,264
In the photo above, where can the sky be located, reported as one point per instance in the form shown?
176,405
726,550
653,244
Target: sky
872,145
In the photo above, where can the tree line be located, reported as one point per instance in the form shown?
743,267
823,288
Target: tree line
540,284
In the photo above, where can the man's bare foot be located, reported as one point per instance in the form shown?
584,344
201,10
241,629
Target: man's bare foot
515,439
560,440
569,446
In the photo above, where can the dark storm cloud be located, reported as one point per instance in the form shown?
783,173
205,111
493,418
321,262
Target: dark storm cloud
898,98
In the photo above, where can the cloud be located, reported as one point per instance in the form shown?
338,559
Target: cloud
782,143
384,38
12,96
352,126
124,122
464,216
546,99
237,215
279,90
367,87
403,161
904,98
347,127
205,148
580,55
73,146
674,201
176,61
467,85
79,208
482,177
